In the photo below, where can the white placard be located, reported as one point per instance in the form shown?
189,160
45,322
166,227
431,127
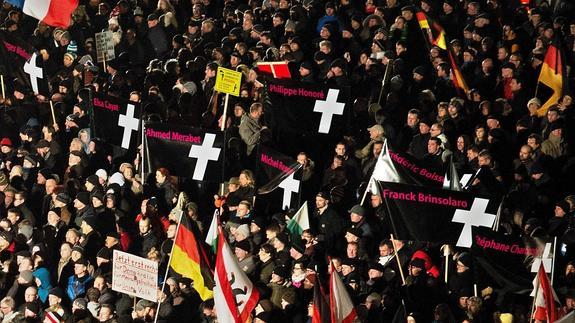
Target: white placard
135,276
105,46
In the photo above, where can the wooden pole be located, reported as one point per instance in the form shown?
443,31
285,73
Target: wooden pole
223,126
105,67
3,89
534,299
446,255
398,261
553,260
53,113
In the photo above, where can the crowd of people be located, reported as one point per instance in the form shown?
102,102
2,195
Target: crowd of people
68,199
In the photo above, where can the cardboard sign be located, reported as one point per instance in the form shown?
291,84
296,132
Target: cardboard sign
228,81
105,46
135,276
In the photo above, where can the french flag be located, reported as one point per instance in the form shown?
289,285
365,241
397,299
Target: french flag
56,13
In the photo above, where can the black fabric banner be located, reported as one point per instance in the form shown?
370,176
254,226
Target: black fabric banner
308,108
186,151
15,53
278,170
394,166
117,121
420,213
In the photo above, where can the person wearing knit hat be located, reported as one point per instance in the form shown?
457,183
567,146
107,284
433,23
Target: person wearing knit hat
242,232
246,260
92,182
83,198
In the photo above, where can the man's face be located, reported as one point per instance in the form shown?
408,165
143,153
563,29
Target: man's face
242,210
53,300
524,153
385,250
375,200
377,149
532,142
412,119
30,295
79,269
432,147
340,150
484,161
320,202
144,227
424,128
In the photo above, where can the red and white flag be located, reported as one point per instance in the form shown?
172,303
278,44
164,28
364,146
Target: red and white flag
234,294
279,70
342,310
545,306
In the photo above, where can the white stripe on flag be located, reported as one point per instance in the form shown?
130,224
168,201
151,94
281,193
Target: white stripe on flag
36,8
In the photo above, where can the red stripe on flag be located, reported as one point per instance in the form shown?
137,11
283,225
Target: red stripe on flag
60,13
186,240
222,278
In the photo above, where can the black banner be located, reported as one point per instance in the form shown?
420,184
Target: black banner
420,213
394,166
117,121
309,108
14,54
186,151
278,170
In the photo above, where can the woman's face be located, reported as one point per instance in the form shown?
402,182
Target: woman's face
441,112
128,173
480,133
244,181
238,111
160,178
460,143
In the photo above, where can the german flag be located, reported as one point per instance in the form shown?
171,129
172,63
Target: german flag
189,259
422,19
551,76
457,77
440,41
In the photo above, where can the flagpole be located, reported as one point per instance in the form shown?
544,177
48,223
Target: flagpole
398,261
536,289
168,266
553,261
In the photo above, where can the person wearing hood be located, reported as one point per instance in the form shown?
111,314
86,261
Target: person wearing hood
42,278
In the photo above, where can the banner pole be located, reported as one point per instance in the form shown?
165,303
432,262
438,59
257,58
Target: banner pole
446,255
366,189
398,261
168,266
142,162
3,89
553,261
52,110
223,126
104,61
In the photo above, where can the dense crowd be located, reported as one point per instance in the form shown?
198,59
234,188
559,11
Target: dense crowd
68,199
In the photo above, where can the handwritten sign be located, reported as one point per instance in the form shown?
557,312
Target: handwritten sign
105,46
228,81
135,276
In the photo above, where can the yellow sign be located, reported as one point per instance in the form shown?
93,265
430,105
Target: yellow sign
228,81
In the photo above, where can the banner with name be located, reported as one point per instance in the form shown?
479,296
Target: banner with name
393,166
459,219
278,170
186,151
117,121
135,276
308,108
15,53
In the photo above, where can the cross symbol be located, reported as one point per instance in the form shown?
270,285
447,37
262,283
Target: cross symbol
290,185
476,217
129,123
204,153
34,71
546,259
328,108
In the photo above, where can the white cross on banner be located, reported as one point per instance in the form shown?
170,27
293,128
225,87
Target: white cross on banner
204,154
34,71
546,258
129,123
289,185
475,217
328,108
